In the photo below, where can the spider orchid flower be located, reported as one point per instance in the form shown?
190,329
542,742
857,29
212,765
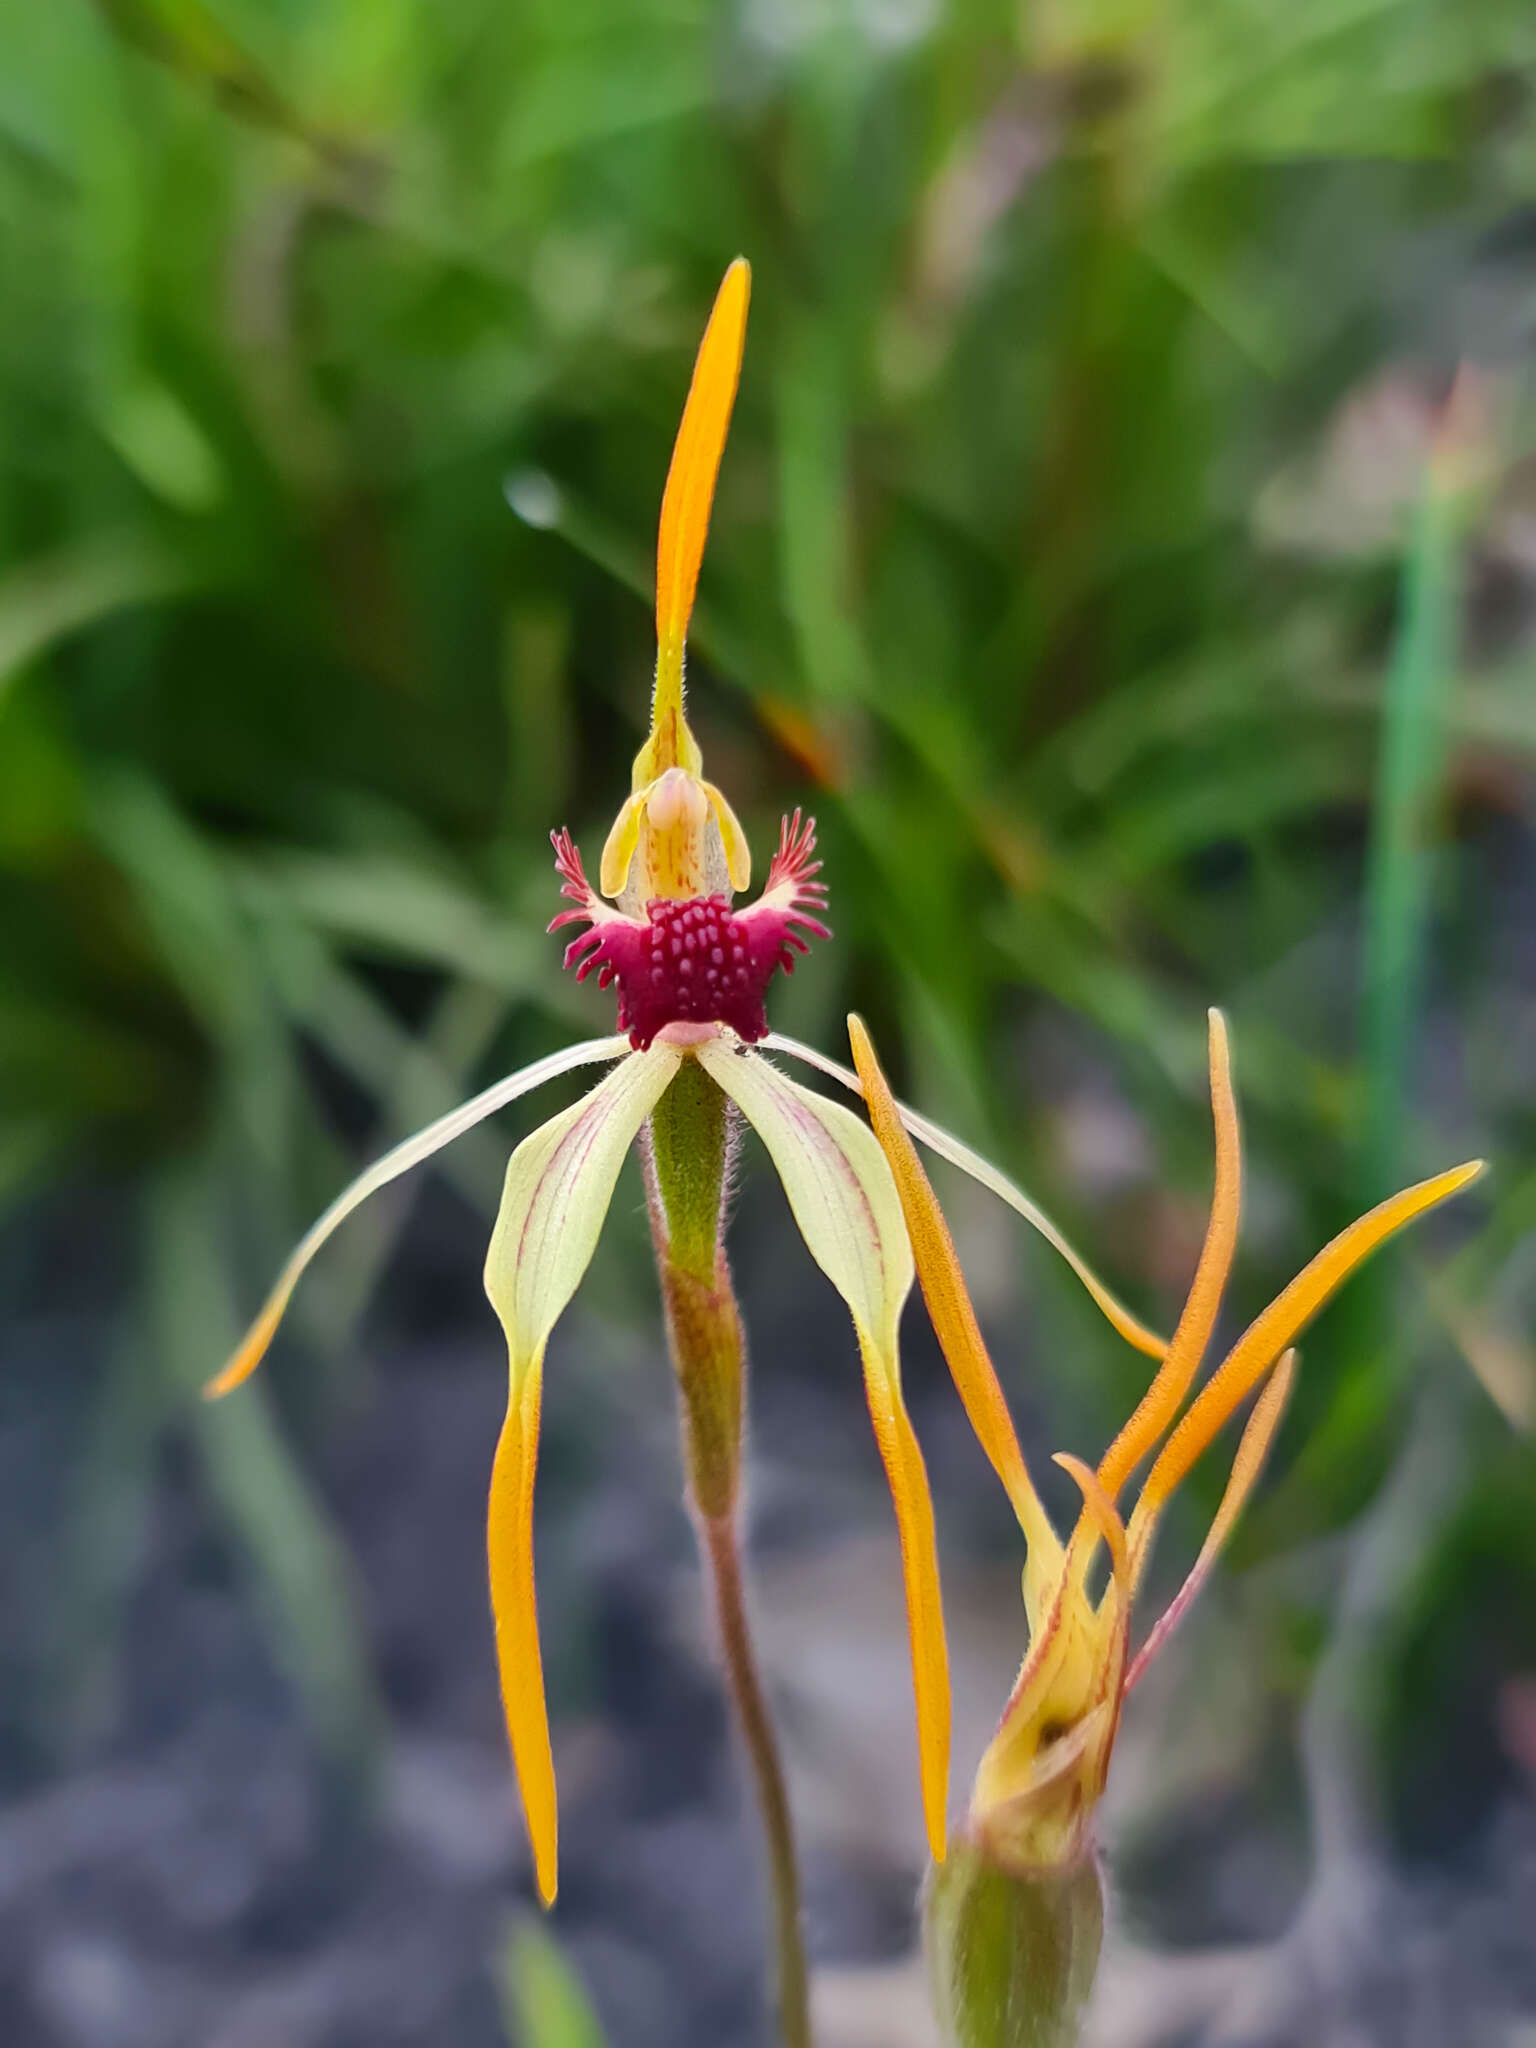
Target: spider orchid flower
691,974
1042,1775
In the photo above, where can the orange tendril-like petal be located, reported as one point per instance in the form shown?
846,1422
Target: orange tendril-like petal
1252,1450
949,1304
948,1147
1186,1348
1287,1315
690,491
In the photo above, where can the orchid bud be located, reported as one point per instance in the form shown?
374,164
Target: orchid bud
1011,1952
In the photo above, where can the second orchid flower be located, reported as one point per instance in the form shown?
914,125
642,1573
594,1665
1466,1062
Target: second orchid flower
1039,1783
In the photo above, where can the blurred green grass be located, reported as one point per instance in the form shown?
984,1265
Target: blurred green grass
1073,523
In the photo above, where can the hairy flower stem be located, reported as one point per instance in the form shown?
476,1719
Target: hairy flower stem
686,1161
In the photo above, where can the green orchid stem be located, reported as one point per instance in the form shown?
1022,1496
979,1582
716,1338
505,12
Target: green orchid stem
686,1186
722,1548
687,1159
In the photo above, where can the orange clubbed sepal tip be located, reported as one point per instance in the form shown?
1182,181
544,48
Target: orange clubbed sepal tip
253,1349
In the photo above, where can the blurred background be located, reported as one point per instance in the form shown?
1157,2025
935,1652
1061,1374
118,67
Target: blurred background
1127,547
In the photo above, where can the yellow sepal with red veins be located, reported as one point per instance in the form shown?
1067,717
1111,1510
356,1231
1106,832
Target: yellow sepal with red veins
1043,1773
676,836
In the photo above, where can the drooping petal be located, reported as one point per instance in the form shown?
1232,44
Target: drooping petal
401,1159
938,1140
1252,1450
848,1211
690,491
949,1308
559,1184
1186,1347
1285,1318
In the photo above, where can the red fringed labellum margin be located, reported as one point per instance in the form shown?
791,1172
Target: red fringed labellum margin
695,960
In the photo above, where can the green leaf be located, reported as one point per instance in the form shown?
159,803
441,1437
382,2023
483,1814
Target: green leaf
45,600
542,2002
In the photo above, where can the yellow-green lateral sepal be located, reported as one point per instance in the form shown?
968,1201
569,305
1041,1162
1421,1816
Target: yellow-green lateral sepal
559,1184
845,1202
408,1153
